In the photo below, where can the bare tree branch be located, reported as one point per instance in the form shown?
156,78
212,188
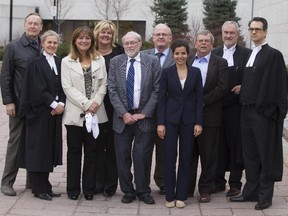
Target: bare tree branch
104,8
62,10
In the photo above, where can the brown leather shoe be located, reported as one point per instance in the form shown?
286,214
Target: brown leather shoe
204,198
233,192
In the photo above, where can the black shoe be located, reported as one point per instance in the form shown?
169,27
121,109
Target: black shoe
51,194
88,196
233,192
147,198
242,198
162,190
43,196
128,198
238,199
263,205
108,193
73,197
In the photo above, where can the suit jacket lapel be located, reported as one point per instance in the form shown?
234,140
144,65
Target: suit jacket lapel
144,70
237,57
168,59
188,78
210,70
122,71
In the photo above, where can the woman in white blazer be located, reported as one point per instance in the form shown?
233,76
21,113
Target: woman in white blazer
84,81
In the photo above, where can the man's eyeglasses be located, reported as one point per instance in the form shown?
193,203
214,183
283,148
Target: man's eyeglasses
132,43
161,35
255,29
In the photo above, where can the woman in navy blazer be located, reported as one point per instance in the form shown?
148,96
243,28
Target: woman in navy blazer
180,107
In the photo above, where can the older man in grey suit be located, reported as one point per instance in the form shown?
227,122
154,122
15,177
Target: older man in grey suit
133,85
162,37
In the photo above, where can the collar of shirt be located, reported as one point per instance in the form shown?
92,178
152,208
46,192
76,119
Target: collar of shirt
203,59
252,57
163,57
137,58
232,49
259,47
50,59
165,52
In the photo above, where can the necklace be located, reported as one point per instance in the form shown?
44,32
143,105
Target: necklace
105,51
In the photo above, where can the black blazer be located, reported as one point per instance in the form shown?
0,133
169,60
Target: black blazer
215,89
175,103
240,57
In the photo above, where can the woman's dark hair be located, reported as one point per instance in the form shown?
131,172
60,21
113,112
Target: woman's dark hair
180,43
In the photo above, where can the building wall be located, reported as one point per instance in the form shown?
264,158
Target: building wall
276,12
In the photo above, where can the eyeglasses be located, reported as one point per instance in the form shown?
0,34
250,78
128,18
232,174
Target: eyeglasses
255,29
132,43
161,35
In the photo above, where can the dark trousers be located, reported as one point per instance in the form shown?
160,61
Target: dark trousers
193,167
159,162
258,184
230,150
133,145
78,138
176,186
40,182
208,145
106,165
11,166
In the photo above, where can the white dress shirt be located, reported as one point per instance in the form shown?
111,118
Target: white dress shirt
228,54
51,61
255,51
164,56
137,80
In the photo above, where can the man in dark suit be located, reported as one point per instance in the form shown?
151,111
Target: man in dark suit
264,106
214,71
16,57
230,151
133,85
162,37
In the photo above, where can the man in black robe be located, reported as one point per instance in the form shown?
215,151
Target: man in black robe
264,107
230,151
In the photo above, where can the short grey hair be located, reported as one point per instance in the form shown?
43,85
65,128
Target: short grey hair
205,32
138,36
235,24
50,33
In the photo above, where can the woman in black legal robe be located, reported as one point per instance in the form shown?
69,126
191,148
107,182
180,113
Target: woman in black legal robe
42,105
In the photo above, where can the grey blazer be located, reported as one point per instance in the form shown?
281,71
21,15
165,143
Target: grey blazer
150,76
169,61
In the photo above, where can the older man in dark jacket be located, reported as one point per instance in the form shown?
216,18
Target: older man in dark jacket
16,57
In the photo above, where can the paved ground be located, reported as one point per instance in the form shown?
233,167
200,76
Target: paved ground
25,204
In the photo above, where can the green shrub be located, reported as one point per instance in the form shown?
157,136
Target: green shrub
63,49
147,45
1,53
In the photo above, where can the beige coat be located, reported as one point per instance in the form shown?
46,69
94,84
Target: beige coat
72,79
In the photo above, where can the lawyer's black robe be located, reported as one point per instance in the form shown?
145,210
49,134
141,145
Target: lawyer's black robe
41,146
265,85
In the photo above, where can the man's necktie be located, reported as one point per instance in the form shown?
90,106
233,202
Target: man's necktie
130,84
159,54
34,44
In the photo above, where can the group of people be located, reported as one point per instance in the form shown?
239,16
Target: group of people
225,106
